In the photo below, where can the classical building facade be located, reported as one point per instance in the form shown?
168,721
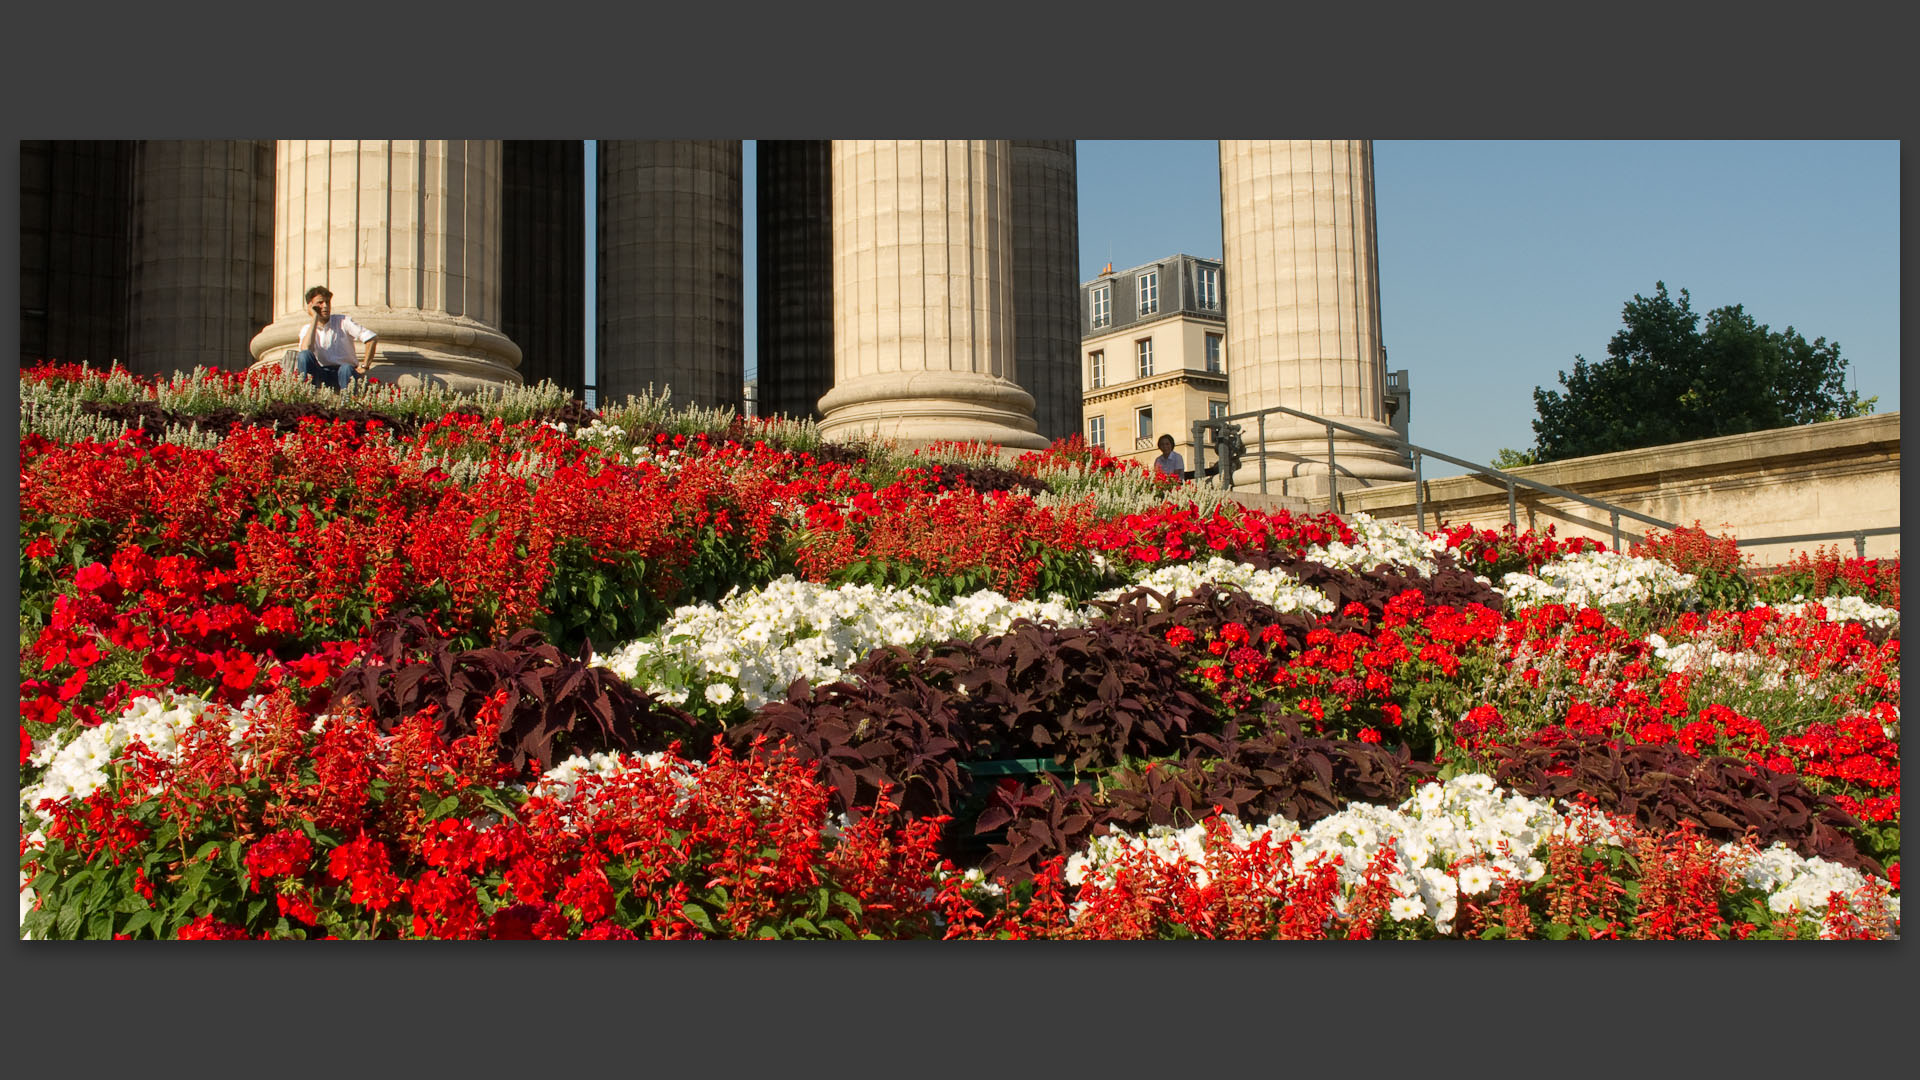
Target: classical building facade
1153,355
912,289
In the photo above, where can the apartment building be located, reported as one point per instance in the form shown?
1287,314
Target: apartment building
1153,354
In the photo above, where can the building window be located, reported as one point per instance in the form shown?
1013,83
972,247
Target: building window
1099,361
1144,347
1213,354
1209,288
1216,409
1102,305
1096,431
1143,427
1149,292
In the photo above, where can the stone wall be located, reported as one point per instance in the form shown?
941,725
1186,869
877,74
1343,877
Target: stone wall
1829,477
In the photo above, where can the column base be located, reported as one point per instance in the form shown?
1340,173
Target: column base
1296,455
923,408
416,349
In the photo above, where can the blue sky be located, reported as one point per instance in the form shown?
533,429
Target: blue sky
1499,261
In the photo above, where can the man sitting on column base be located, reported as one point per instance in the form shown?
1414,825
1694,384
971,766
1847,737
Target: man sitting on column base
326,353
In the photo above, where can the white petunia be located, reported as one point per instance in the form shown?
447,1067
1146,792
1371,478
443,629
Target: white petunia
1475,880
1406,909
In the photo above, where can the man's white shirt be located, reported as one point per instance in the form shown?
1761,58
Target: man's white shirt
333,346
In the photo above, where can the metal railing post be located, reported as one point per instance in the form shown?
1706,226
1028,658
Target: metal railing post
1419,495
1262,418
1616,530
1513,516
1199,453
1332,485
1860,544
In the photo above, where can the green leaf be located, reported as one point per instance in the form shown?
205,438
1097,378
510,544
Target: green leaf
67,925
444,807
698,916
190,881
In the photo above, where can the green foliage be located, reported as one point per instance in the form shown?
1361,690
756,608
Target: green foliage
604,601
1509,458
1668,379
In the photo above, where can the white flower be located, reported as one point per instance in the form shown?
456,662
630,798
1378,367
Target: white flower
1843,609
1475,880
1595,579
719,693
1406,908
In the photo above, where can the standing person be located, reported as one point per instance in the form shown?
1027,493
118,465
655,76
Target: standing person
1169,463
326,354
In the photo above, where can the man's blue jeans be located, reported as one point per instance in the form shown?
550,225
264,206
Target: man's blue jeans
322,374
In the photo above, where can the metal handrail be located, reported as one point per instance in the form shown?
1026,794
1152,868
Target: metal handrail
1416,452
1859,537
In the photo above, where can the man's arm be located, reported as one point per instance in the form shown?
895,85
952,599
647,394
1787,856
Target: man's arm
366,336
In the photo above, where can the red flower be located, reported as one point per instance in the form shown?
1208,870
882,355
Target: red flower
282,853
590,893
41,710
451,844
91,577
363,862
239,672
210,928
607,931
73,685
298,906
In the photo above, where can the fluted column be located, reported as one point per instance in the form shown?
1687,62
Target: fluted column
923,295
543,281
1303,303
795,297
670,273
406,233
1046,281
202,268
75,198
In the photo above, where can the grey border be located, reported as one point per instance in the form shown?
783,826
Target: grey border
565,70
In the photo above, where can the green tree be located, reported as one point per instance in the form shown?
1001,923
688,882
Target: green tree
1668,379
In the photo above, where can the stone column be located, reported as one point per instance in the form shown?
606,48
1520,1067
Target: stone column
407,235
202,272
543,263
923,333
795,297
670,278
1046,281
75,198
1303,306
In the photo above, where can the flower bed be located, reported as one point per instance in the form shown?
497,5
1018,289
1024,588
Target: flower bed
391,665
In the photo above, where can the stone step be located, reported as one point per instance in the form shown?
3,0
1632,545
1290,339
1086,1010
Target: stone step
1293,504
